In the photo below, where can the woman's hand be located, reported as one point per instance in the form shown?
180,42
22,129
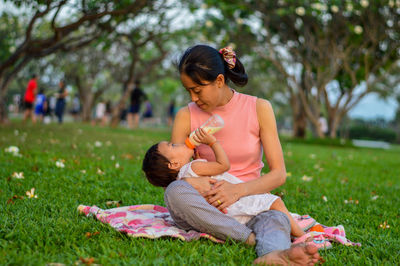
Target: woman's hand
201,184
223,194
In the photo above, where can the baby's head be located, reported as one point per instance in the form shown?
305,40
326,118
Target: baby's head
163,160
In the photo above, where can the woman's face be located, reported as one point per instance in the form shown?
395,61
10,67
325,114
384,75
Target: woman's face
206,97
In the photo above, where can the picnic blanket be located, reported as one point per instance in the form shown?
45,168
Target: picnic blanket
153,221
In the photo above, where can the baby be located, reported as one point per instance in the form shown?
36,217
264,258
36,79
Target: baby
165,162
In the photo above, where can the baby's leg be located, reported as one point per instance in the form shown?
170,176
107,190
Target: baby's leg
279,205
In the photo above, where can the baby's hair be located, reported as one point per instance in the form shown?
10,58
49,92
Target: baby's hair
155,167
203,62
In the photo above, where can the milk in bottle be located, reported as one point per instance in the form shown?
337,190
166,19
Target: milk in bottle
212,125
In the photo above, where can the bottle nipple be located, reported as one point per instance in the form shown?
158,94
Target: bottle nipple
189,144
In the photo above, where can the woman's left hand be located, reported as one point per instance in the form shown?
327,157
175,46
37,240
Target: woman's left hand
222,195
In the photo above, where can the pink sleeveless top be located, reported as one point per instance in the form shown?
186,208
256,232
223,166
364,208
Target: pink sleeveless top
240,136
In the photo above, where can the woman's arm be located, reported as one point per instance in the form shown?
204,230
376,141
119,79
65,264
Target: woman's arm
276,177
229,193
181,126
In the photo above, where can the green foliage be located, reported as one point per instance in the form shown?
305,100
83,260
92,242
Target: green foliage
11,28
369,132
345,143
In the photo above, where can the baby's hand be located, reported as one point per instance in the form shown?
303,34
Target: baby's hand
203,137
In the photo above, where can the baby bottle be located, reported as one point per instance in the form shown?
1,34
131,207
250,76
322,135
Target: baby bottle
212,125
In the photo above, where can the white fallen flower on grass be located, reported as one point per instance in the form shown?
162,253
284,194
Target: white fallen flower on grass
375,197
83,171
14,150
31,193
60,164
18,175
99,171
384,225
324,198
117,165
351,201
98,144
306,178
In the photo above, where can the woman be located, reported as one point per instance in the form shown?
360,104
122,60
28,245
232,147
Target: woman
60,104
250,128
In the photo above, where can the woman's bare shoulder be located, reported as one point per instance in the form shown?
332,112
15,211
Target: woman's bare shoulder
263,104
184,111
265,113
181,126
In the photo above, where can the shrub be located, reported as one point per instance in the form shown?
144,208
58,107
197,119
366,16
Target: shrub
369,132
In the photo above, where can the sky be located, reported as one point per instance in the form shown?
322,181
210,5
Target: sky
371,106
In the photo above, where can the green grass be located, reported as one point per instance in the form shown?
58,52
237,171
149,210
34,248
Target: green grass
49,229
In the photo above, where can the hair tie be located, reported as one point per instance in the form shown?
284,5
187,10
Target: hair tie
229,56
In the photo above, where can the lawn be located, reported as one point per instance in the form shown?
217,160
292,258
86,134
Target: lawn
361,189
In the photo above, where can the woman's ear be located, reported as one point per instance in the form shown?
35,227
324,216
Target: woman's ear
220,80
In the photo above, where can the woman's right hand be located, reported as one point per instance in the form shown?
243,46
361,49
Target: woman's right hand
201,184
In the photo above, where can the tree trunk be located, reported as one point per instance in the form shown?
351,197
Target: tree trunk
334,124
317,128
299,125
116,112
3,109
87,105
3,103
299,117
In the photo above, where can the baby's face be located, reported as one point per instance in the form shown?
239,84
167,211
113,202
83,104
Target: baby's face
175,152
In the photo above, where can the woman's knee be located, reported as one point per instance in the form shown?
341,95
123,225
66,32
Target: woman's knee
176,193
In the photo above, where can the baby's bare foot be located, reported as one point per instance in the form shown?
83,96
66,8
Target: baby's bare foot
299,254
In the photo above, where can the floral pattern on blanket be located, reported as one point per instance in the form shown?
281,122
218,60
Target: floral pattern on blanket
150,221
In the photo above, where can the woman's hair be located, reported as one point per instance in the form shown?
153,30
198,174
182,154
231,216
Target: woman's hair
155,167
202,62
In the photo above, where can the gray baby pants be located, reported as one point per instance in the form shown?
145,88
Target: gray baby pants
191,211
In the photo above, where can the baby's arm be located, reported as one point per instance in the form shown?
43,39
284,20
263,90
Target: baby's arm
221,163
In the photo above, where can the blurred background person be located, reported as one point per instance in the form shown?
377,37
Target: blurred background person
171,112
40,106
76,107
99,113
107,116
47,111
60,104
137,96
29,97
323,124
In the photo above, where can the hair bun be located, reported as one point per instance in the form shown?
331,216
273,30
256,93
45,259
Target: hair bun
229,56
